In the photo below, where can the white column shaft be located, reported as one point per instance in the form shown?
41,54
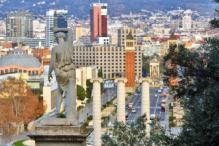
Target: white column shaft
121,101
96,114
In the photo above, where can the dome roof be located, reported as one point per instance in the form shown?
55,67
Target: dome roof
19,60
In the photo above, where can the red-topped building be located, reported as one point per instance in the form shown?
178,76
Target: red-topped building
98,20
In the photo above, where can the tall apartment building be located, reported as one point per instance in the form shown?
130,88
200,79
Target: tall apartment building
111,58
77,32
151,47
19,24
123,33
187,22
175,24
98,20
54,18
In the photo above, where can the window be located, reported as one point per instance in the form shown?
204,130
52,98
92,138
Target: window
11,70
24,71
2,71
37,72
20,70
33,72
29,72
15,70
6,71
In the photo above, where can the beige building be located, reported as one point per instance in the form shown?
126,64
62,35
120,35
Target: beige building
123,33
77,32
110,58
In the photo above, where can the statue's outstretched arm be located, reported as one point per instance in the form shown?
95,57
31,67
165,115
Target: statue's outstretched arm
65,30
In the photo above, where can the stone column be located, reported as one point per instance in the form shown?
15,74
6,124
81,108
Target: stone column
145,99
121,98
96,111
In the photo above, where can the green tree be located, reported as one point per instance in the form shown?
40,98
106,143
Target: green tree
135,134
215,21
81,93
100,73
198,87
89,88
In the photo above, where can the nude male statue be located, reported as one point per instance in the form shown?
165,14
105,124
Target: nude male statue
62,64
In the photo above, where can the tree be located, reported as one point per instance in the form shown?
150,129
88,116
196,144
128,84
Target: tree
215,21
89,88
135,134
198,87
21,104
81,93
100,73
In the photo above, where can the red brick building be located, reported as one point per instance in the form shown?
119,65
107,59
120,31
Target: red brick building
40,53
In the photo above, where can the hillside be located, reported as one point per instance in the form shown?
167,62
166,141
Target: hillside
80,8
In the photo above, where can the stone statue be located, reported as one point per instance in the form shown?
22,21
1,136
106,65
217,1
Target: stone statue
62,64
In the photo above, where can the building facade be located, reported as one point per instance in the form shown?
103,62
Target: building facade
19,24
150,48
187,22
112,59
123,33
77,32
98,20
54,18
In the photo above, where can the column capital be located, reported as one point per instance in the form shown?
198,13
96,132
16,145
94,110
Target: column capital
145,80
120,80
100,80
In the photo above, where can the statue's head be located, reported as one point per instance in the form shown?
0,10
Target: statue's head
60,36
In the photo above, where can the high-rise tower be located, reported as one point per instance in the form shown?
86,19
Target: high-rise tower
98,20
19,24
54,18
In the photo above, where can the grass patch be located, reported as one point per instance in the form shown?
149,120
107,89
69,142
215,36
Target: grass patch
20,142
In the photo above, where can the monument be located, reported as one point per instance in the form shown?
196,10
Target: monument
62,131
154,70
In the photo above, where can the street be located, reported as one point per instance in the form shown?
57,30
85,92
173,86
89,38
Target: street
155,104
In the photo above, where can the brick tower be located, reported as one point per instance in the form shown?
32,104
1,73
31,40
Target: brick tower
130,60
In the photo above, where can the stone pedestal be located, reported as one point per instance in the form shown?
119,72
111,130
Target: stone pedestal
121,98
96,111
60,135
145,99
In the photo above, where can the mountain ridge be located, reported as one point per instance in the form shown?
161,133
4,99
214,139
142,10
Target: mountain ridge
80,8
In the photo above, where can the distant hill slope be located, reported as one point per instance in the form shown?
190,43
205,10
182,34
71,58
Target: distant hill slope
80,8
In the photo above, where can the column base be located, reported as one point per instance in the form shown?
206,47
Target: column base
60,135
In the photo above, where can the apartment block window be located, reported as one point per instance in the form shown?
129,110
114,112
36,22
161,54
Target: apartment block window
104,63
108,66
108,63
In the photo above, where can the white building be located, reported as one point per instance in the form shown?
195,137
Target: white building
54,18
103,40
187,22
151,47
85,40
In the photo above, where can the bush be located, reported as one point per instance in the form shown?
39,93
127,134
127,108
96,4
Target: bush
103,123
61,115
171,118
80,107
172,124
90,118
